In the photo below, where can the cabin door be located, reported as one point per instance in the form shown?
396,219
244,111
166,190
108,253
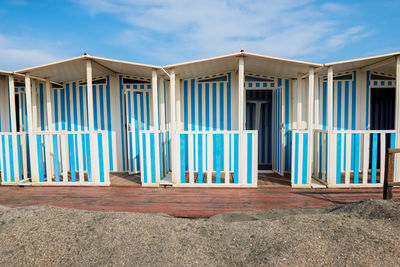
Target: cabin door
137,111
277,131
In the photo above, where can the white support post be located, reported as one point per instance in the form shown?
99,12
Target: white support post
11,94
32,137
154,87
397,119
174,141
310,123
49,127
241,119
299,103
93,137
329,111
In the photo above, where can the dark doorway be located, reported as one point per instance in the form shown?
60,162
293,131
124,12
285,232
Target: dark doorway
382,108
259,117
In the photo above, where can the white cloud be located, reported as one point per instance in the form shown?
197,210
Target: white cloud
16,54
192,29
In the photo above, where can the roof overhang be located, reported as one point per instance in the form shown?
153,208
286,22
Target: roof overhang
75,68
385,63
256,63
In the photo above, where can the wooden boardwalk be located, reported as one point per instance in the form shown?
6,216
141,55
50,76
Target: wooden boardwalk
182,201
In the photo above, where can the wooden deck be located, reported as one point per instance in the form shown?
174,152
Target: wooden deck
190,202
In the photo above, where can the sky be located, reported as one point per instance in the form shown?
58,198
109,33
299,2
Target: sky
162,32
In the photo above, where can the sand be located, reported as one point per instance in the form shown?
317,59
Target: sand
364,233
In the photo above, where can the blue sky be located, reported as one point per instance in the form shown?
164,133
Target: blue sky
163,32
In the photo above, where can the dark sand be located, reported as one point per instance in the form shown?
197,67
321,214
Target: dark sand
365,233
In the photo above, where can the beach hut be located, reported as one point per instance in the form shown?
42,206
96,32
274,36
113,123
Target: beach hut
216,122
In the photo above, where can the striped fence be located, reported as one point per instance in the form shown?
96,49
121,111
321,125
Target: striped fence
301,163
155,160
69,158
217,158
358,157
320,146
14,162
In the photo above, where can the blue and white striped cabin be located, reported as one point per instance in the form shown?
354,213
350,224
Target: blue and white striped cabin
215,122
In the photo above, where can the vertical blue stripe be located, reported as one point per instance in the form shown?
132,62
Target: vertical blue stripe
56,160
338,159
75,112
40,158
228,102
88,154
192,100
207,107
214,97
236,159
185,106
200,157
152,158
218,152
200,107
249,158
296,158
346,105
148,111
144,158
71,157
339,106
141,111
130,132
11,153
183,157
62,98
221,106
95,107
82,115
287,147
101,157
356,159
56,110
374,157
305,158
19,157
102,125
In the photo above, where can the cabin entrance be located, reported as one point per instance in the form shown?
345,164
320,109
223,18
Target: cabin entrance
259,117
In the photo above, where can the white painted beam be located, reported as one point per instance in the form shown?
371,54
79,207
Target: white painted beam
379,64
241,93
102,68
11,94
310,123
299,103
397,119
174,139
329,111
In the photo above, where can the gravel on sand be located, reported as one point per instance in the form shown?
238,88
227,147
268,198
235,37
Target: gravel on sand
364,233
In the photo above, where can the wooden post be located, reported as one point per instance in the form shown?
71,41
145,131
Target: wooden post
32,137
241,120
299,98
310,125
11,94
387,183
329,111
154,87
174,142
50,127
92,135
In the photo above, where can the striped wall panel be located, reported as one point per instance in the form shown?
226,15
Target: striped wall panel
206,105
300,156
277,134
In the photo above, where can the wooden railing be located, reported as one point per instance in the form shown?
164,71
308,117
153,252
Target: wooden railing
14,159
63,158
389,172
352,158
217,158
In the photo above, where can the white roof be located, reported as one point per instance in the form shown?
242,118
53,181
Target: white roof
381,63
4,72
75,68
252,63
